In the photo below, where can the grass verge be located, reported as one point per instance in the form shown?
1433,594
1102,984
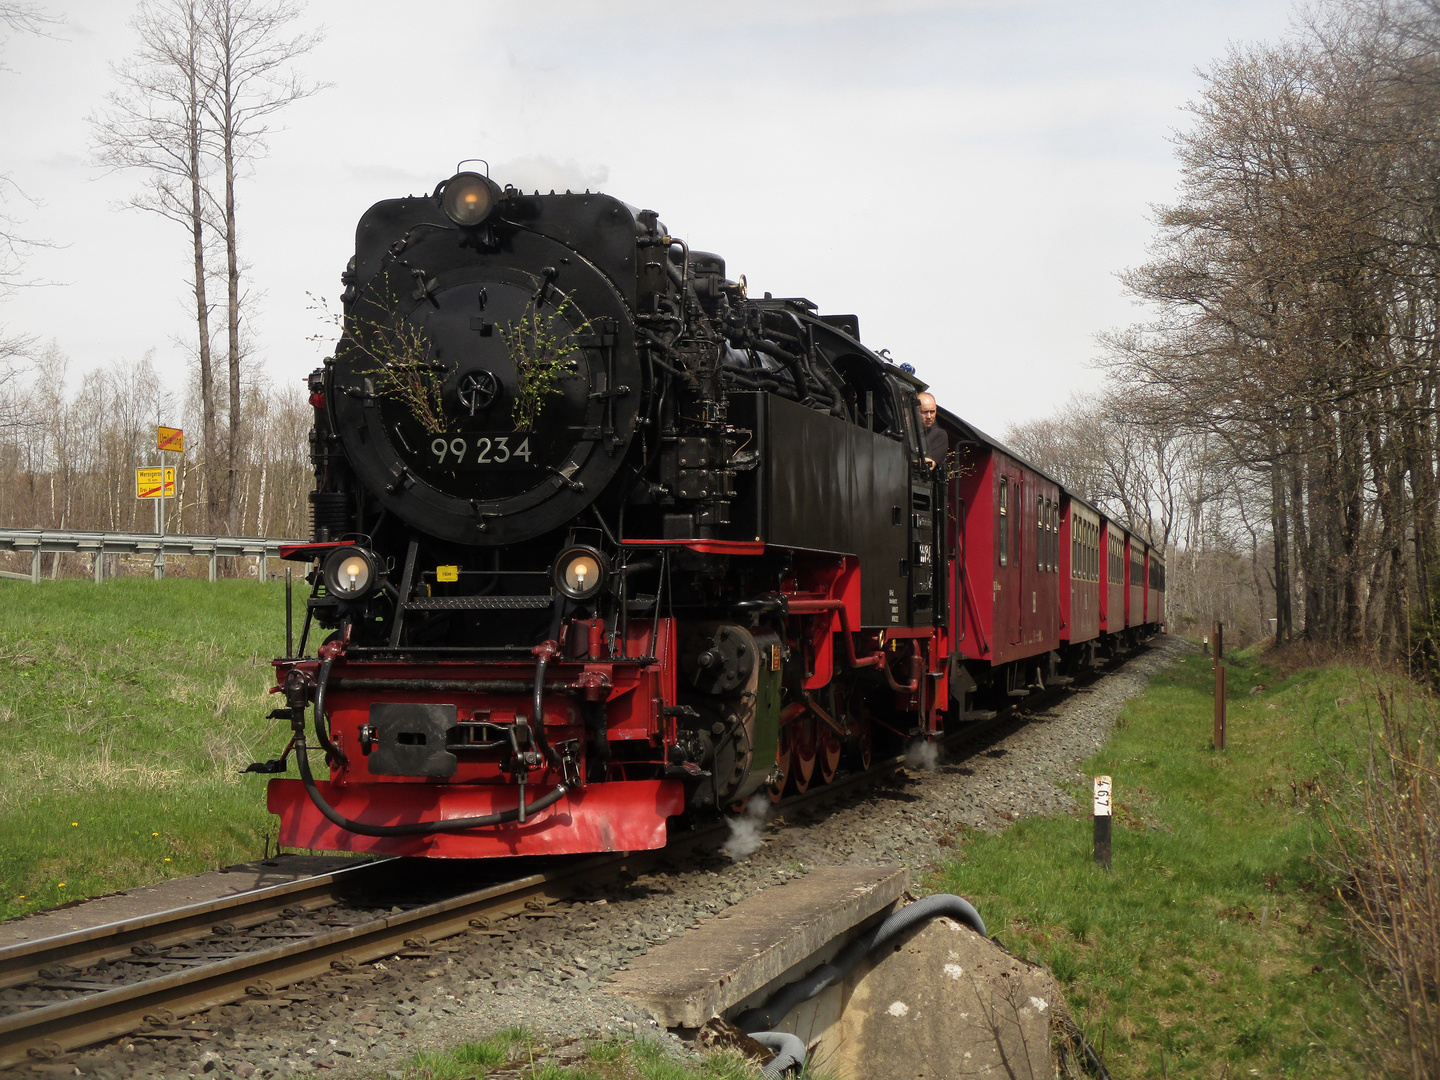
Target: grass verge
1216,946
127,711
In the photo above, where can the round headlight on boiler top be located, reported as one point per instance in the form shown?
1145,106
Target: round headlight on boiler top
351,573
581,572
469,198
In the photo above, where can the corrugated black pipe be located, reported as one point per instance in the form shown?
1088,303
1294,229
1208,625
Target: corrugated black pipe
774,1010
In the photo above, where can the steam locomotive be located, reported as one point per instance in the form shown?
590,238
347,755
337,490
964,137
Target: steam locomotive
600,539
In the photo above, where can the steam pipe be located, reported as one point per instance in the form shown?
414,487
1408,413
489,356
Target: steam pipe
543,652
332,752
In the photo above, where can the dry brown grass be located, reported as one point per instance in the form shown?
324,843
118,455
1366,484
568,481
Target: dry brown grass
1385,822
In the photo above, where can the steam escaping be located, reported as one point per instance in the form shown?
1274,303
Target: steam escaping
922,755
745,829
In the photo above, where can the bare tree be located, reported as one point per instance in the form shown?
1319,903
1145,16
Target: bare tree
249,56
192,111
154,122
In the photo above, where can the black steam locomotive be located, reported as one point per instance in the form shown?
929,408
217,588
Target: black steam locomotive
599,538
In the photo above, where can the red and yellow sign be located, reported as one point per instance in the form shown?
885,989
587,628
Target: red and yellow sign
170,438
147,484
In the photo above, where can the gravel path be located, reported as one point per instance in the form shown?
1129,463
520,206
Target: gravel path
547,974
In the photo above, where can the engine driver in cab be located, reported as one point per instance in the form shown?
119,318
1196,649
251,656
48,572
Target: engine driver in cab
937,443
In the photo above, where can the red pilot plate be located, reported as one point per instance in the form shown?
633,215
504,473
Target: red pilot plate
626,815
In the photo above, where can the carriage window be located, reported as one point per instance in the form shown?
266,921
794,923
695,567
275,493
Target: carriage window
1004,531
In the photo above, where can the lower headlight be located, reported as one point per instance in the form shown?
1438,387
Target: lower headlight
581,571
351,573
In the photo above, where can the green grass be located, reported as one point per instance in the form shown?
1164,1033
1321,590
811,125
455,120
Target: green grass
1215,940
611,1059
127,711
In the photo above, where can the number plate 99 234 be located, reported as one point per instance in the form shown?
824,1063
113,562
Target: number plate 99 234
478,451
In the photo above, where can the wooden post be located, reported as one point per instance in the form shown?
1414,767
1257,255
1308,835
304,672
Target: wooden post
1219,642
1102,821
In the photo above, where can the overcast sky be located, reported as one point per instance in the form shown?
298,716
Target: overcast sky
966,177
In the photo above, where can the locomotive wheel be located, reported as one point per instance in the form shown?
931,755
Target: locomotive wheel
830,750
802,750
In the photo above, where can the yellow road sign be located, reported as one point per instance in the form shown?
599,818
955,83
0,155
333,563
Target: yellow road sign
147,483
170,438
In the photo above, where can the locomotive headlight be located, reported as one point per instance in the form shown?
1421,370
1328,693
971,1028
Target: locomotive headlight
469,198
580,572
351,573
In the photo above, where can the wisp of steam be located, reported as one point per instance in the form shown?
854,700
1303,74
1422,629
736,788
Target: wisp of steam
745,829
922,755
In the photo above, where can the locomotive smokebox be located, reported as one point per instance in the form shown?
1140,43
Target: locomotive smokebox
487,385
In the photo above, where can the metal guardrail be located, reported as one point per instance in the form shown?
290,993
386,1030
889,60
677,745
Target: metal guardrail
99,544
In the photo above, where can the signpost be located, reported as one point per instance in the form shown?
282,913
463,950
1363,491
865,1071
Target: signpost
1103,791
159,483
148,483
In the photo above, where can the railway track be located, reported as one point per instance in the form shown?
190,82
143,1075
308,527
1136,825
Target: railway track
61,993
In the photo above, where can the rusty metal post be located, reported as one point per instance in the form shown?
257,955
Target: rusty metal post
1219,642
1102,821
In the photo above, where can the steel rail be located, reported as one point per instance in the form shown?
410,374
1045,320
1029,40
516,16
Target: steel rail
53,1029
19,963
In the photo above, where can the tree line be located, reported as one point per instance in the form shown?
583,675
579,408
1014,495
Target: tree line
69,453
1284,388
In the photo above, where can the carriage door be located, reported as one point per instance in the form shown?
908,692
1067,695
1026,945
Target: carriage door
926,517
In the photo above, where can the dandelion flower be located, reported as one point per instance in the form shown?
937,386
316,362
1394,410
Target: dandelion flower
74,824
154,834
167,858
62,884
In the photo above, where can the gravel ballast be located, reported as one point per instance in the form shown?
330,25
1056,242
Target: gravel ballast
547,974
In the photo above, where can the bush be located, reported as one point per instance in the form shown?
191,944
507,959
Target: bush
1384,819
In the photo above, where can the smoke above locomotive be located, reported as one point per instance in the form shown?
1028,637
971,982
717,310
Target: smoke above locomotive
599,538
